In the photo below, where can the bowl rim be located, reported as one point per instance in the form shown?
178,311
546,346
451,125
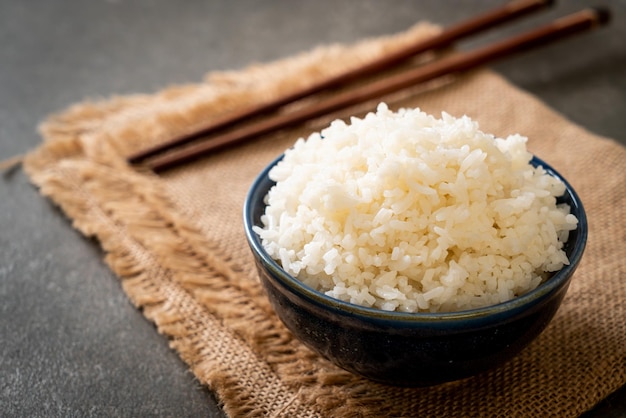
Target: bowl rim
557,280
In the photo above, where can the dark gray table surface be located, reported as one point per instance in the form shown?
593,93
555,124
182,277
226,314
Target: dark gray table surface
71,343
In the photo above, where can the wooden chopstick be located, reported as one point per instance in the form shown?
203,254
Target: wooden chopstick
462,61
490,19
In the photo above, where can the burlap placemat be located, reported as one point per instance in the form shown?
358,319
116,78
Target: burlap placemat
176,242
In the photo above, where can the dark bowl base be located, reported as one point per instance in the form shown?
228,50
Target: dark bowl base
407,357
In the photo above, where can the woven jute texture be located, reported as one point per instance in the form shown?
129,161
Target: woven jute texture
176,242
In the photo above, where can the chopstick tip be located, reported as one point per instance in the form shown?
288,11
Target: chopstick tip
603,14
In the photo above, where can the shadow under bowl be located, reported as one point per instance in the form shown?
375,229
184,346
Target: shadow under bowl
411,349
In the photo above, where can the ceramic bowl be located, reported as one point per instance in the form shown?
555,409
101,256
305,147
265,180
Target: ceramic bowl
411,349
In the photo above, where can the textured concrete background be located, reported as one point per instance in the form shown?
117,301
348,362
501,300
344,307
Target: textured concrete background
71,343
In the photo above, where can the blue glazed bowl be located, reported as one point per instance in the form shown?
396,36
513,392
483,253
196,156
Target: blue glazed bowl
411,349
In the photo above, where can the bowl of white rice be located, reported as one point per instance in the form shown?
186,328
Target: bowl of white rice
412,249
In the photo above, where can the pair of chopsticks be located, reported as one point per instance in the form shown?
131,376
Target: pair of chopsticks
167,155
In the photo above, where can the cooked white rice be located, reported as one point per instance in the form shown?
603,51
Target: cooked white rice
404,211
